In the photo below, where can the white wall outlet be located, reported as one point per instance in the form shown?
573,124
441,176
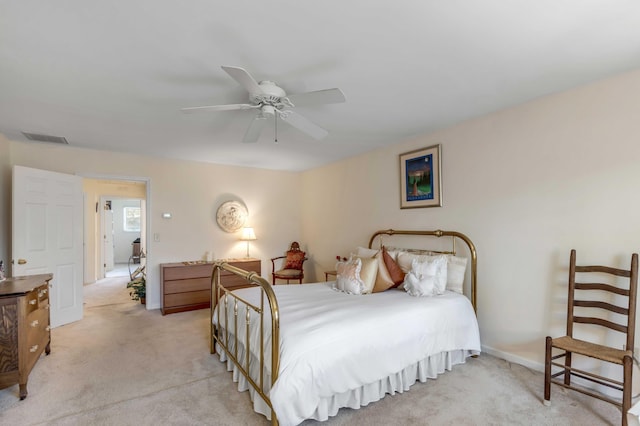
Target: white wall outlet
156,237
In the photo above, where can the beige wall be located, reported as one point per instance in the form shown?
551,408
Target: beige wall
526,184
191,192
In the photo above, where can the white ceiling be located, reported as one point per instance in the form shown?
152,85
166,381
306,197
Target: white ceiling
113,75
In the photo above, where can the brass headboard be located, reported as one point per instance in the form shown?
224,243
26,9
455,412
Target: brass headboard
438,233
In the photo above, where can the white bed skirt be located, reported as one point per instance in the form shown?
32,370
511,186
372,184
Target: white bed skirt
428,368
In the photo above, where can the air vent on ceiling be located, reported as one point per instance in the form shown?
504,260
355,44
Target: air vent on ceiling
46,138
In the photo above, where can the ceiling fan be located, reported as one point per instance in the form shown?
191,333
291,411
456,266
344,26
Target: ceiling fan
272,101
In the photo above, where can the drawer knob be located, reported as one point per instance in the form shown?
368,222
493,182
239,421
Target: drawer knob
33,302
35,323
47,328
33,348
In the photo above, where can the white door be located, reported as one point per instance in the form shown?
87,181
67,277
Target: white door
47,236
107,241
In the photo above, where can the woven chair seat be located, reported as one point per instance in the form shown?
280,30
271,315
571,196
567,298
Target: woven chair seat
593,350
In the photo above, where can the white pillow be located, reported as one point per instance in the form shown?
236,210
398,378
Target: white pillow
348,277
365,252
405,260
456,267
427,278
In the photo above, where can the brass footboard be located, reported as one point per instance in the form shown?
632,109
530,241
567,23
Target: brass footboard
227,337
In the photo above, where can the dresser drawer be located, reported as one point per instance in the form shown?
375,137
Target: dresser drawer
252,266
37,325
186,272
43,296
189,298
35,349
31,301
180,286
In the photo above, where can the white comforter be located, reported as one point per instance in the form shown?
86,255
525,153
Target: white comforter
332,342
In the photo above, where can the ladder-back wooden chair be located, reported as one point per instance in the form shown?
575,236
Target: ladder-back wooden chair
600,312
292,265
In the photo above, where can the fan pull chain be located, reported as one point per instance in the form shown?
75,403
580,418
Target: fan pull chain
275,116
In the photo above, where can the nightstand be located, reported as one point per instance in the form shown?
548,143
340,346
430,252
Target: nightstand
328,273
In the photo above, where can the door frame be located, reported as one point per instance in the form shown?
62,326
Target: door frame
148,249
103,199
102,271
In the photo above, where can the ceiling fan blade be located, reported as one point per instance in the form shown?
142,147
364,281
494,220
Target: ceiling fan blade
255,128
244,78
327,96
215,108
304,125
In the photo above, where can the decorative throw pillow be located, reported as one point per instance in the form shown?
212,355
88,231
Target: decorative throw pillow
427,278
383,279
294,260
419,286
395,272
368,273
348,276
456,267
405,260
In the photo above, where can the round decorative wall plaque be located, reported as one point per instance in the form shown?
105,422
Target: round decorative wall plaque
231,216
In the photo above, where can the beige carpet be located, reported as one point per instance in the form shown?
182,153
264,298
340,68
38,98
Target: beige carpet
123,365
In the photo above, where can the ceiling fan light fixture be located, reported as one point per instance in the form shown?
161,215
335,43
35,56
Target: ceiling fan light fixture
268,110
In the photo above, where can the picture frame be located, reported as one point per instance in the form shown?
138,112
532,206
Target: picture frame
420,178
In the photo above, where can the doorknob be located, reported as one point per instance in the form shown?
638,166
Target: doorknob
20,261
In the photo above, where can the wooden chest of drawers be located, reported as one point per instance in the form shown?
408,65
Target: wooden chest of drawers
24,327
186,286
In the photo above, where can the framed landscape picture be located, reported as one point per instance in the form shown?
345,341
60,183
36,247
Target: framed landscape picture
420,183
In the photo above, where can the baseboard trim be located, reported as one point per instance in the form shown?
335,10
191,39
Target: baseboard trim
537,366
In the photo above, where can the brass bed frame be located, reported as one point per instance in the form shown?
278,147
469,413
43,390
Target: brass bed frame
269,303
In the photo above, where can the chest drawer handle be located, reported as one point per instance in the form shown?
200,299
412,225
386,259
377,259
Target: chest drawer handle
33,302
33,348
35,323
47,328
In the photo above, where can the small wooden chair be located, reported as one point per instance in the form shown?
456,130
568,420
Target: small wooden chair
570,345
292,267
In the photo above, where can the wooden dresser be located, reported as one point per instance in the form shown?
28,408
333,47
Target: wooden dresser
186,286
24,327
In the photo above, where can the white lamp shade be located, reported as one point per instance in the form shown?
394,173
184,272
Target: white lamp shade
248,234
